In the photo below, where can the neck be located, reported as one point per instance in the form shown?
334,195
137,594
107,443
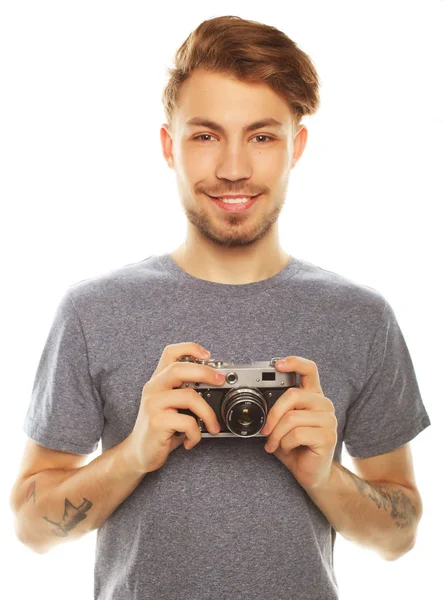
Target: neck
230,265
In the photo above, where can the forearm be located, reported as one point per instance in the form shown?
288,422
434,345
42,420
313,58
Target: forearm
381,516
58,505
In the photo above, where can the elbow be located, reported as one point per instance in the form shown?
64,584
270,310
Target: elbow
33,547
391,556
25,541
395,555
18,531
39,550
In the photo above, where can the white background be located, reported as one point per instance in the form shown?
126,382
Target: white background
84,189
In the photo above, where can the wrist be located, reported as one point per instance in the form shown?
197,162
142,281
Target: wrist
128,458
325,485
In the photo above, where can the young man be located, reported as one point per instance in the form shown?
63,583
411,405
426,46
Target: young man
229,519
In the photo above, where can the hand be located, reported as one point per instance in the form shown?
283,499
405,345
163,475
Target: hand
302,427
153,436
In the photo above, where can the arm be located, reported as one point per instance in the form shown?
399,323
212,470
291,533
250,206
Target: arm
58,505
382,516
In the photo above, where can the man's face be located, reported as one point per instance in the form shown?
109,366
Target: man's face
211,162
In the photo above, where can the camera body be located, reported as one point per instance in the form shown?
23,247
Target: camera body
243,401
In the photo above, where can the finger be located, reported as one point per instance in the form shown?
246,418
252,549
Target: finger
172,352
178,373
294,398
185,429
195,375
299,419
188,399
315,438
306,368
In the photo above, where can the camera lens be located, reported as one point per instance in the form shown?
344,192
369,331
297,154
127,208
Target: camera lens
244,411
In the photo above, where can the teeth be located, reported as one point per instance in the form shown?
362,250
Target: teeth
234,200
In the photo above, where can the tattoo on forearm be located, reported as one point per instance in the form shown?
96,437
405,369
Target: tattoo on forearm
402,509
72,516
30,492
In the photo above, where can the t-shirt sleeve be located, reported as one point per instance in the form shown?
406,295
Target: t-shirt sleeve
66,410
388,411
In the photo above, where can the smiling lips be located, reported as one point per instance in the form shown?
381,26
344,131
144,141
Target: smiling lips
231,205
232,196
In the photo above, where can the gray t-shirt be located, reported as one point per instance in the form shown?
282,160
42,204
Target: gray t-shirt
224,520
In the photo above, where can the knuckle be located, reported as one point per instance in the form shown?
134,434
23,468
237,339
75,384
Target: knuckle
329,405
191,394
330,416
197,401
192,424
169,348
146,399
147,385
294,416
195,434
175,366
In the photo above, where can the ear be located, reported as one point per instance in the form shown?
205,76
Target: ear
299,143
167,145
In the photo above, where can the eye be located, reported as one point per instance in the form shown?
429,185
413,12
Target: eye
198,137
264,136
201,136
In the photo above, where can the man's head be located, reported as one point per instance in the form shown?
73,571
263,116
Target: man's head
235,73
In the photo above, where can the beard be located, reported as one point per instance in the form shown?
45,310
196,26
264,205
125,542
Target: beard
232,229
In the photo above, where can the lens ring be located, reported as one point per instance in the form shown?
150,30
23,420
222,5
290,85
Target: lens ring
233,401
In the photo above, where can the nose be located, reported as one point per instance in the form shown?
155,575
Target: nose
234,162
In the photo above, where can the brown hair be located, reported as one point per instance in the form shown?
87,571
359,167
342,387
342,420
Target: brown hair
252,52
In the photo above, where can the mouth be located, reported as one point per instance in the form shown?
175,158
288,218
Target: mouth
235,207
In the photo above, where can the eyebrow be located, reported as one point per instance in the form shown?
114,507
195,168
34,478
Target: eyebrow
251,127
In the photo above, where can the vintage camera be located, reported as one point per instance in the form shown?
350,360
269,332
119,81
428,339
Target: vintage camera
242,403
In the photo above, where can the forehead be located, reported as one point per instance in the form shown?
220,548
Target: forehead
224,99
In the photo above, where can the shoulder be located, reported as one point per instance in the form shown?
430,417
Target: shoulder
110,289
330,291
